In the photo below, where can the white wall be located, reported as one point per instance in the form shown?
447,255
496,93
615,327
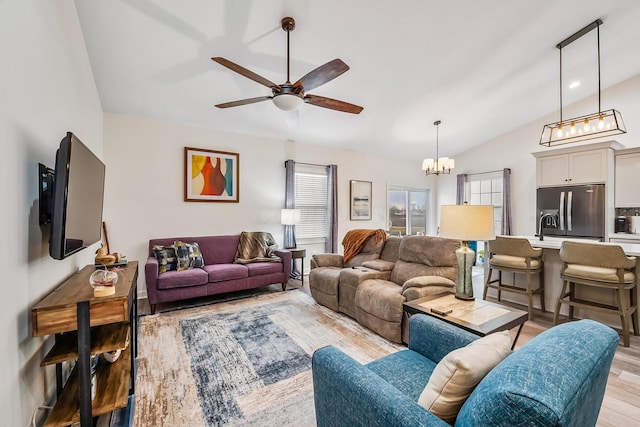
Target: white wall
47,89
514,149
145,183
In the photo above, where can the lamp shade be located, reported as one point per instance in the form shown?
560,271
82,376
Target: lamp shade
467,222
290,216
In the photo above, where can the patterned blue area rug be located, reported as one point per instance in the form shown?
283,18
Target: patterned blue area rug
245,362
237,353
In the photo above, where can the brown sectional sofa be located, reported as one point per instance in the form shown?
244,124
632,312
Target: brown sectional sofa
374,291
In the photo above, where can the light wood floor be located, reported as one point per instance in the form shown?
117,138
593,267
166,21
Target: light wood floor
621,405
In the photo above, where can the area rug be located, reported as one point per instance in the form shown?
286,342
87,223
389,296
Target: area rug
238,363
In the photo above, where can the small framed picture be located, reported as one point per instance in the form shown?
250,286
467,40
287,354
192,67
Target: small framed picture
360,196
211,176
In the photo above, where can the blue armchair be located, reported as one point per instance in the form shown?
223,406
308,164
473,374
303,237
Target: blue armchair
556,379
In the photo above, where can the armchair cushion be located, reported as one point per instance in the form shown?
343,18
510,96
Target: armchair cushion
458,373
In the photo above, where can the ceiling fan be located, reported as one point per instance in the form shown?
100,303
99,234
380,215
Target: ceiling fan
288,96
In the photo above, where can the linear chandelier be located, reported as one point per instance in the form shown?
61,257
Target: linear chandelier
595,125
439,165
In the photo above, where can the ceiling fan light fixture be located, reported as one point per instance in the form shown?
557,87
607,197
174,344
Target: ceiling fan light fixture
287,101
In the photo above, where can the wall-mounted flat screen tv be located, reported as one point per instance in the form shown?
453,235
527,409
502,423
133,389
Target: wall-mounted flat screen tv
78,192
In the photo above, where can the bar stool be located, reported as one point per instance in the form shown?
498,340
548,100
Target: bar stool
602,266
517,256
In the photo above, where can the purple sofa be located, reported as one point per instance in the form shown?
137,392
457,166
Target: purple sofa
218,275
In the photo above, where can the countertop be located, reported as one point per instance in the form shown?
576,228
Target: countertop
550,242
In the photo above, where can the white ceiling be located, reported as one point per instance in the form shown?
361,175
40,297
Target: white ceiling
482,67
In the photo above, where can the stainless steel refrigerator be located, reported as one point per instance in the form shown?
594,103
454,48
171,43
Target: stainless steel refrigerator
575,211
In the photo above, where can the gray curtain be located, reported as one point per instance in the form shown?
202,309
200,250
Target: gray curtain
461,181
290,202
331,245
506,202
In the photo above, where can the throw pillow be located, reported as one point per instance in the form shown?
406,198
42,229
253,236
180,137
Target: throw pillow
166,256
458,373
188,255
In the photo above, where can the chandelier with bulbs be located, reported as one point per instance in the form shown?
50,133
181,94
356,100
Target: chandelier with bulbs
439,165
594,125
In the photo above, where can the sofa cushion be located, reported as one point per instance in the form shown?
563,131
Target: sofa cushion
379,264
403,271
222,272
182,279
458,373
166,256
425,256
381,299
391,249
262,268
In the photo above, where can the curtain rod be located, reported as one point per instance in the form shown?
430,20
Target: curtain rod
483,173
308,164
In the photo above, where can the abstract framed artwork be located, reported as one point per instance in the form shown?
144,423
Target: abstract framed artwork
360,197
211,176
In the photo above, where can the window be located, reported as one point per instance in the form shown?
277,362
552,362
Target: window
407,210
486,189
311,188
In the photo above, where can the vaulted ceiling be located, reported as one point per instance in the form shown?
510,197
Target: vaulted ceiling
482,67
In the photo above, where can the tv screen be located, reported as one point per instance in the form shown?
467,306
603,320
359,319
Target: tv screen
78,191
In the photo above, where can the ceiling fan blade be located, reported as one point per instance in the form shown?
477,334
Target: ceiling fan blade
243,71
321,75
244,102
332,104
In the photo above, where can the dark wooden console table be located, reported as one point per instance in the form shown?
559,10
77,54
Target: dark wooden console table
84,325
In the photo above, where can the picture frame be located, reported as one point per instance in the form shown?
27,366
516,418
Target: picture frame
211,175
360,200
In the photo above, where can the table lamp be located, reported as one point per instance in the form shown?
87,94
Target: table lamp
466,222
289,218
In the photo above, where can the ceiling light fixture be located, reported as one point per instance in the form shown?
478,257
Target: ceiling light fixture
439,164
287,101
595,125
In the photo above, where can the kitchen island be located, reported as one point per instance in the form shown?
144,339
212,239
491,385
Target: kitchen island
553,283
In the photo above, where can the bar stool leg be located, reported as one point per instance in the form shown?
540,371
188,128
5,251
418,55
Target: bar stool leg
530,295
556,315
624,315
634,315
499,283
541,282
486,284
572,295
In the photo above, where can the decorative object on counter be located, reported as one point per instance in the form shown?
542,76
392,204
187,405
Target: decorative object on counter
439,164
466,222
103,282
595,125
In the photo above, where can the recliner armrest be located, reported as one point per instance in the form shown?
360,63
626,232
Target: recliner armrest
328,260
347,393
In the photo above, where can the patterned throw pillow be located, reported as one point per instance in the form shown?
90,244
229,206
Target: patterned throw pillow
166,256
188,255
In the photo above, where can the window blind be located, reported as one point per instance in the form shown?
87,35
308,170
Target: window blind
311,198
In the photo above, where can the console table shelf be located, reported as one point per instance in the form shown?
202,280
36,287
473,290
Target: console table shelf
83,326
103,338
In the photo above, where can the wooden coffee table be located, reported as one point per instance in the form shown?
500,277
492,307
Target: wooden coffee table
477,316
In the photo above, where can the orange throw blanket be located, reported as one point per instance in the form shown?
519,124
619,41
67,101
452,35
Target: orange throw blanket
354,240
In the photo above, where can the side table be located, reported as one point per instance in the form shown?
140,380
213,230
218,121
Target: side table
298,254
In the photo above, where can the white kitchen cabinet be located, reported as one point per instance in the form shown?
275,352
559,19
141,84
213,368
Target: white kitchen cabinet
582,167
627,178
